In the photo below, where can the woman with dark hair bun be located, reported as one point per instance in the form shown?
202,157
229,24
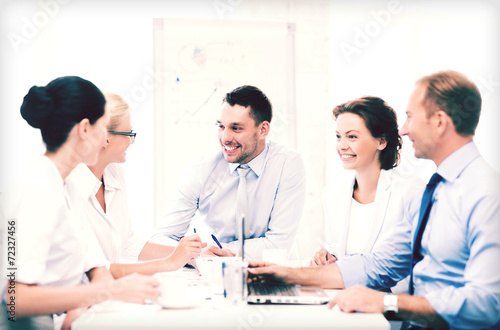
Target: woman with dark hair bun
362,208
57,107
54,249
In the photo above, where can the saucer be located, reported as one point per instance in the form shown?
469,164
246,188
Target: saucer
188,301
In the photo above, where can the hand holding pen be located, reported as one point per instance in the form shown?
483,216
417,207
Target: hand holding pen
218,250
189,247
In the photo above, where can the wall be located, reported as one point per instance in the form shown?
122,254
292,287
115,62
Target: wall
344,49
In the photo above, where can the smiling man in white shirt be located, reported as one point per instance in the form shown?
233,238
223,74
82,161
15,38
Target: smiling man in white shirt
275,182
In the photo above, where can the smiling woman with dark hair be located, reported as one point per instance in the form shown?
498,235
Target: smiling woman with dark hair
362,209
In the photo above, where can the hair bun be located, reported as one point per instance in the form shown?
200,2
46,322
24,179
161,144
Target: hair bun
37,107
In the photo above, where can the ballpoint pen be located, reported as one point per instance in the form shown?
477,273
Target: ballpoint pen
216,241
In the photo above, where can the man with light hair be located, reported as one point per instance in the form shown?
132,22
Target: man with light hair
448,240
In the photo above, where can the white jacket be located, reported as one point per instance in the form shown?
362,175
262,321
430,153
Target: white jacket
394,191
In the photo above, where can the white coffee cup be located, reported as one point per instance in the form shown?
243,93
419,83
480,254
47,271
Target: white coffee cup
210,268
276,256
173,288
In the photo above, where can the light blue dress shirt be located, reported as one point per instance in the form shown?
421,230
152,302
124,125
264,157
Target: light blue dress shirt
460,271
276,193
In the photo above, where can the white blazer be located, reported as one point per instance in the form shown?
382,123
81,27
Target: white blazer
394,190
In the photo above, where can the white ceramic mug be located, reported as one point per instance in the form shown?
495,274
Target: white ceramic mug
173,288
210,268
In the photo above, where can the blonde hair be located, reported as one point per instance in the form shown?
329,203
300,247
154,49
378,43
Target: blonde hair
455,94
117,107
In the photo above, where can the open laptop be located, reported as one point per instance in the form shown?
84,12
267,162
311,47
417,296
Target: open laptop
282,293
273,292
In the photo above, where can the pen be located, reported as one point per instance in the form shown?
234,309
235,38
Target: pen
223,267
216,241
194,230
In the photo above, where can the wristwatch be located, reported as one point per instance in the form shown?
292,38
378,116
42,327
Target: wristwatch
390,303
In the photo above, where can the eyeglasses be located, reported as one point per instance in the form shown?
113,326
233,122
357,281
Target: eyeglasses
132,134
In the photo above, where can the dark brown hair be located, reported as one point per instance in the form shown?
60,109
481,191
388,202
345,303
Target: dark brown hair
381,121
261,108
56,108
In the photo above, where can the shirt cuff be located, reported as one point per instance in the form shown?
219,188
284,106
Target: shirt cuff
446,302
352,270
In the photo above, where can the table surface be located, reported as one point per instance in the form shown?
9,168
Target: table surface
214,312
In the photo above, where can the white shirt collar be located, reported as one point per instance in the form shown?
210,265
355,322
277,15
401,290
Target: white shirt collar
256,164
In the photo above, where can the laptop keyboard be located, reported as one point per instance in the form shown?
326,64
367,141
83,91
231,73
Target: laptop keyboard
276,289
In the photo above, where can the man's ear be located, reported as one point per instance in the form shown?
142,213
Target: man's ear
382,143
264,128
441,121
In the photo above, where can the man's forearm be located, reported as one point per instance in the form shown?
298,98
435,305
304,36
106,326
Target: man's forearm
327,277
419,310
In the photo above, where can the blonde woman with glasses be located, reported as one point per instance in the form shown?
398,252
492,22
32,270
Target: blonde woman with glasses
103,187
